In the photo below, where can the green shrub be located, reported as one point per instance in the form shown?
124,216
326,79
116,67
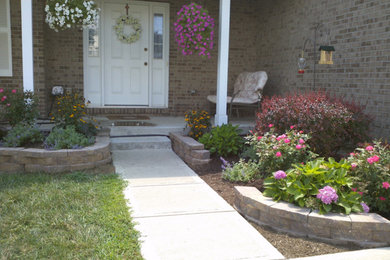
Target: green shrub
240,171
22,135
371,165
67,138
224,140
335,125
17,106
320,184
280,152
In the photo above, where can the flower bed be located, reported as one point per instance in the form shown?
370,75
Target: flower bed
363,229
53,161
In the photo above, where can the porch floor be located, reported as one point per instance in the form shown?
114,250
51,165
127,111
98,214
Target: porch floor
157,125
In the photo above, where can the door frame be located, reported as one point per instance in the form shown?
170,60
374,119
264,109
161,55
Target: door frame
97,99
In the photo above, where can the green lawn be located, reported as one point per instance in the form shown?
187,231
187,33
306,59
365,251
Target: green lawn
73,216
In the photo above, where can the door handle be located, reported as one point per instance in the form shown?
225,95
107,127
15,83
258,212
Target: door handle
146,49
146,64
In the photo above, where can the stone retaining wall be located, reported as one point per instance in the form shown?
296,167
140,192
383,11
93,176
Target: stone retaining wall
40,160
365,230
190,151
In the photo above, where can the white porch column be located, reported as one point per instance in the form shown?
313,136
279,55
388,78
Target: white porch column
27,45
223,62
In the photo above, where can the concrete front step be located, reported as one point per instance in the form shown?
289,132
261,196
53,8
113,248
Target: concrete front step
144,130
139,143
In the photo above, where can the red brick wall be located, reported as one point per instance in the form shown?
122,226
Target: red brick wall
359,31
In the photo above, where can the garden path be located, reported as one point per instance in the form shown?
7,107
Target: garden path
178,214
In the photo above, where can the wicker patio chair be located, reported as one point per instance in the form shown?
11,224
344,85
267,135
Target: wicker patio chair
248,90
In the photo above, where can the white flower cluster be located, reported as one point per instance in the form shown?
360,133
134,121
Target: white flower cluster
65,14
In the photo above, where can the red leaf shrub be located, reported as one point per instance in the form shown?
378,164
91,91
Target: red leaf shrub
332,123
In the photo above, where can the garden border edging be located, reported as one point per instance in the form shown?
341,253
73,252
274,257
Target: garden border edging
190,151
13,160
364,229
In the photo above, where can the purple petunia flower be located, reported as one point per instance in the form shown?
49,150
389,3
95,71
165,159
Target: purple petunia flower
225,164
280,175
365,207
327,195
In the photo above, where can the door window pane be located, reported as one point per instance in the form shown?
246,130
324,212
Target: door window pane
93,43
158,36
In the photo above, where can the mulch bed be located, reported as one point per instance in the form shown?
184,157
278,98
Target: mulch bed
288,245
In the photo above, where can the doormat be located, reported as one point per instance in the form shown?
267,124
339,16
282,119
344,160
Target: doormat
132,123
127,117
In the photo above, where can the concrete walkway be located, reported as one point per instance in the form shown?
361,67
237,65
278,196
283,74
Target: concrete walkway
179,215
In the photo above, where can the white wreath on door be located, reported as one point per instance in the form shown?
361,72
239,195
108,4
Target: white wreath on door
134,23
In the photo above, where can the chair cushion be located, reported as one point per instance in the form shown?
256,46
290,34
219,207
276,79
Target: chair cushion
248,84
237,100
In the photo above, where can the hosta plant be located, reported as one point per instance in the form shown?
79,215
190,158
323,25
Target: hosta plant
224,140
278,152
319,184
371,165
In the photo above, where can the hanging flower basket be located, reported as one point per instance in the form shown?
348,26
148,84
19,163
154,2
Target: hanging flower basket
134,23
194,30
64,14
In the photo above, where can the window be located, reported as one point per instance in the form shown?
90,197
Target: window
93,43
5,40
158,36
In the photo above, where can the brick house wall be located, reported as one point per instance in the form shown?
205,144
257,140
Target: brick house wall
360,33
265,35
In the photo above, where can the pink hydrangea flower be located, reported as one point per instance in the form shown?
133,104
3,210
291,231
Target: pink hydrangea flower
3,98
8,104
354,189
382,198
278,154
259,138
352,154
369,148
353,165
360,193
385,185
1,90
287,141
301,141
373,159
270,125
366,209
301,132
327,195
299,147
292,127
280,175
14,91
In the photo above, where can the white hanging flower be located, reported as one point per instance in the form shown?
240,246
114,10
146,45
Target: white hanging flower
63,14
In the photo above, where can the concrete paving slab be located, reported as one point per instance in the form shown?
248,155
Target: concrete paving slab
174,199
146,158
152,176
203,236
136,143
368,254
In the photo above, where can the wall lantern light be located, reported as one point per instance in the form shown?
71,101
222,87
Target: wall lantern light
326,55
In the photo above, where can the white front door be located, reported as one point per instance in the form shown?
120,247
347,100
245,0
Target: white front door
126,72
123,74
